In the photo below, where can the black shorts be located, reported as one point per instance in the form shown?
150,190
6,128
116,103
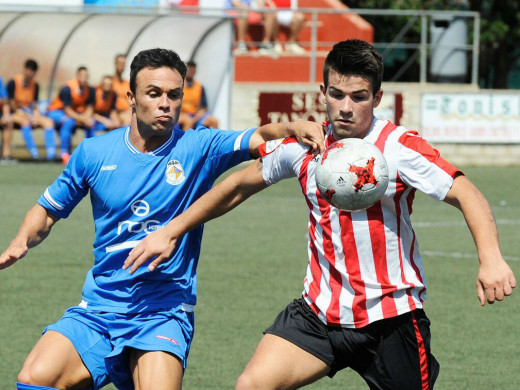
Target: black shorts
390,354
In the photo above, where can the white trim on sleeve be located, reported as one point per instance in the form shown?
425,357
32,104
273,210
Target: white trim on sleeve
51,201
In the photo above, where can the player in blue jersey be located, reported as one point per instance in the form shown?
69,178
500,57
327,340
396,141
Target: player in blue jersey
135,328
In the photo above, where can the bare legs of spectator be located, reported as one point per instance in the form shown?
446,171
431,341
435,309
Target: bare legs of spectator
242,25
7,136
296,26
270,32
297,19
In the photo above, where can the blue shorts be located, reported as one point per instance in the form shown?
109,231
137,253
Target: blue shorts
58,116
27,110
103,339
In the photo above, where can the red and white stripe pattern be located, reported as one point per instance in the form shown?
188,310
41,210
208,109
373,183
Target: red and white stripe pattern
365,266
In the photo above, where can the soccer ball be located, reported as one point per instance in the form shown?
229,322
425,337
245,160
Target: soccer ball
352,174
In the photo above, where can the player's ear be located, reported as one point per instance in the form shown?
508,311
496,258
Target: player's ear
377,98
323,92
131,99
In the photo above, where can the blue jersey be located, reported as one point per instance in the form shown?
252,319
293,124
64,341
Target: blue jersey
134,194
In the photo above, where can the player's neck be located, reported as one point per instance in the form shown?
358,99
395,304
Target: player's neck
146,140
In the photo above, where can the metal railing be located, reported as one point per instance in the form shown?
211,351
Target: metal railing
421,49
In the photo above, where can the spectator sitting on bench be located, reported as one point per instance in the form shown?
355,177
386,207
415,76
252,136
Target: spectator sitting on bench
294,21
269,19
105,113
194,110
74,106
23,93
6,125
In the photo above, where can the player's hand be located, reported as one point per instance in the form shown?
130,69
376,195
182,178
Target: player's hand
311,134
35,118
88,122
158,245
12,254
494,282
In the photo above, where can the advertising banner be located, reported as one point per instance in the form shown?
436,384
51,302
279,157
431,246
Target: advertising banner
471,117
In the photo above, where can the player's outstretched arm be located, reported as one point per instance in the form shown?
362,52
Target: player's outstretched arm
495,279
222,198
308,133
35,227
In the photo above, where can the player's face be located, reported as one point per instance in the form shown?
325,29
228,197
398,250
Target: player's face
190,73
158,99
120,64
82,77
106,84
350,104
28,74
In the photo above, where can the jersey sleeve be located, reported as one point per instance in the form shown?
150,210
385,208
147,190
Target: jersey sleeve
422,167
69,188
281,159
223,149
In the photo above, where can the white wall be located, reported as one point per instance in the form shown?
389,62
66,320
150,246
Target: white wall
52,3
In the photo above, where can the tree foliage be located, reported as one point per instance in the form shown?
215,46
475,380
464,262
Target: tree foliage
499,35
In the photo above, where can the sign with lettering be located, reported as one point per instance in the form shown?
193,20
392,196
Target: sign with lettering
275,107
471,117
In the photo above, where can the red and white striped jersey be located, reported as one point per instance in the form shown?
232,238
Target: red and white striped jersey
365,266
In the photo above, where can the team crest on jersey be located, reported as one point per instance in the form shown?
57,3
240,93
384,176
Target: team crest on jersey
174,172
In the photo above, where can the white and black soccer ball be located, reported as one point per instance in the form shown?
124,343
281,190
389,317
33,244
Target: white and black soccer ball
352,174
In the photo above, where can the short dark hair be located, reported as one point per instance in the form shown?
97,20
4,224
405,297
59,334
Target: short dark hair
191,63
355,57
155,58
31,64
80,68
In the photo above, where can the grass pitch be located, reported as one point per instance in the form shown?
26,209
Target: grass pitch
253,263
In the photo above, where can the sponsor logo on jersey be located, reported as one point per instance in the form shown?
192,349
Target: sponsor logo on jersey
174,172
140,208
108,167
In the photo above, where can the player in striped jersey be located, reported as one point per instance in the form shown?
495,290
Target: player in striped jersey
134,328
363,295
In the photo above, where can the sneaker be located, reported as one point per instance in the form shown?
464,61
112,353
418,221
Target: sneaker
241,48
65,157
8,161
293,47
278,48
266,48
